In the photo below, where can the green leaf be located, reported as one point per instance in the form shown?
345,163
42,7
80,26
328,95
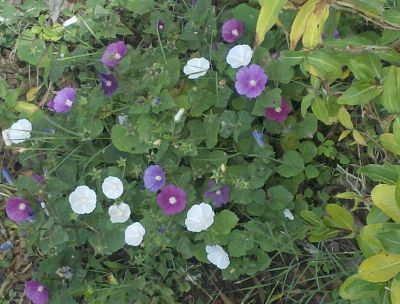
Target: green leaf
311,217
390,240
292,164
306,103
355,288
224,222
269,13
360,93
383,196
367,240
279,197
239,243
211,125
323,65
315,25
396,129
248,15
29,48
380,268
390,144
395,291
341,216
345,118
391,92
366,67
300,22
380,173
397,193
121,139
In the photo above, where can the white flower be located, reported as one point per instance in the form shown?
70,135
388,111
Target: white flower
196,67
20,131
178,115
6,137
70,21
217,256
119,213
288,214
134,234
112,187
239,55
199,217
83,200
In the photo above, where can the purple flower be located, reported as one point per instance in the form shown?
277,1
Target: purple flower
7,176
232,30
259,138
63,100
336,34
36,292
219,196
194,2
50,105
5,246
172,199
108,83
38,178
114,53
160,25
251,81
154,178
278,114
18,209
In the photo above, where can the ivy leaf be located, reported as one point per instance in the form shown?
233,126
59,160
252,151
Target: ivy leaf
239,243
292,164
224,222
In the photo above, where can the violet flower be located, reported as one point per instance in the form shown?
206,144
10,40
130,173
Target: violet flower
259,138
114,53
63,101
172,200
160,25
38,178
36,292
279,114
219,196
251,81
232,30
18,209
5,246
154,178
7,176
109,83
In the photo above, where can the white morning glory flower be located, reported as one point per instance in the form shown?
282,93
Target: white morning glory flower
119,213
239,55
83,200
6,137
112,187
196,67
199,217
288,214
134,234
19,131
217,256
179,114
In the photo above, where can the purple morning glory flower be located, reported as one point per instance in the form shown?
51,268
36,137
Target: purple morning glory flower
259,138
232,30
7,176
336,35
109,83
36,292
63,100
251,81
154,178
160,25
114,53
38,178
172,200
278,114
219,196
194,2
18,209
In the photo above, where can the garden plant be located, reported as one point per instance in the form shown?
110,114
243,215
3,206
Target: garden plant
200,151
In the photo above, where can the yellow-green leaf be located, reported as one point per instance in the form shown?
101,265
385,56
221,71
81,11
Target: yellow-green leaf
354,288
32,93
389,142
380,268
395,291
341,216
315,25
359,138
269,13
345,118
26,107
300,22
344,134
391,90
383,197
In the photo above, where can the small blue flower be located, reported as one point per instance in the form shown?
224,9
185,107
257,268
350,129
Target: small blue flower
156,101
259,138
5,246
7,176
162,229
31,217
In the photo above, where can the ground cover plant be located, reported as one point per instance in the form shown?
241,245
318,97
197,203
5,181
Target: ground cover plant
200,151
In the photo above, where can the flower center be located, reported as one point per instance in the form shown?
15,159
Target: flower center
253,83
278,109
235,32
158,178
117,56
172,200
40,288
161,26
218,192
108,83
22,206
68,102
